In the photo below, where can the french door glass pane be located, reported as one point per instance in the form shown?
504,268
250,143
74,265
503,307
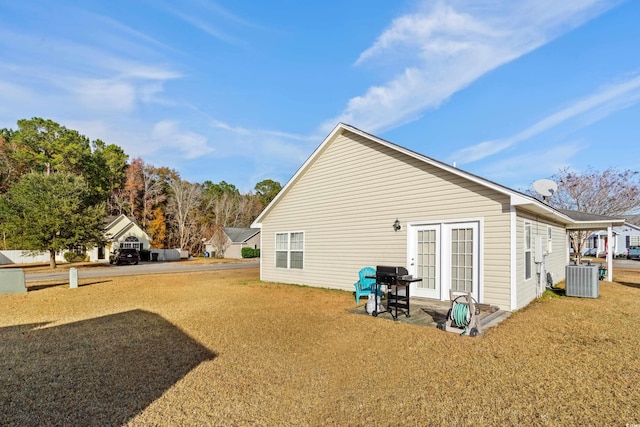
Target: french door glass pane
462,260
427,258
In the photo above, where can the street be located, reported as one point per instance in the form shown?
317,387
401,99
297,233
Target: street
140,269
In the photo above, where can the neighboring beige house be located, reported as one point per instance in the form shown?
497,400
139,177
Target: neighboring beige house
362,201
236,238
120,232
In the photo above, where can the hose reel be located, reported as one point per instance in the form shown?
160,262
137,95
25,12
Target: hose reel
463,316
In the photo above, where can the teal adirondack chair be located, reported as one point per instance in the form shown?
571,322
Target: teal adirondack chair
365,286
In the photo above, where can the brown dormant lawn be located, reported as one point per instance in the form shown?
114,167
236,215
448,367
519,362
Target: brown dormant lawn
221,348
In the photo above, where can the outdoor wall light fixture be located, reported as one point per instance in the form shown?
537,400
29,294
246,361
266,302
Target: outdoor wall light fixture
396,225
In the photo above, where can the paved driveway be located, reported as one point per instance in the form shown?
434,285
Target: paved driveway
626,263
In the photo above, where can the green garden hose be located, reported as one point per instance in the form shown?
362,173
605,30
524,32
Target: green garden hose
461,315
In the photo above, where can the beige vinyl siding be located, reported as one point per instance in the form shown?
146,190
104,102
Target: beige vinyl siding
554,262
559,258
347,200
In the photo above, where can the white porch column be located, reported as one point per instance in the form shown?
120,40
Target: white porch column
610,253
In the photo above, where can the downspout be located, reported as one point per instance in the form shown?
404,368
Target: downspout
609,254
513,253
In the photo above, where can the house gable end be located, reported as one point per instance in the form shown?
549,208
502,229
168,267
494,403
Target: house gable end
516,198
122,226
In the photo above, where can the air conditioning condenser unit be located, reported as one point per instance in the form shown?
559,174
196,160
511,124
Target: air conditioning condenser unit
582,281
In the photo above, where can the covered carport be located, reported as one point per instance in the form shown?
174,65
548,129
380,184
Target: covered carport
588,223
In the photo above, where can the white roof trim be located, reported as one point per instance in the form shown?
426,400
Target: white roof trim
516,198
125,229
336,130
116,219
121,232
628,224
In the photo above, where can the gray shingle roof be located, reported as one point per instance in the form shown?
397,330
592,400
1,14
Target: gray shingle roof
584,216
239,234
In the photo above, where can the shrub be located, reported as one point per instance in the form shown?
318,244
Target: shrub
248,252
74,257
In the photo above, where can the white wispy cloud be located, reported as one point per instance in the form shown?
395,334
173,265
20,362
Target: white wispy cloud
594,107
123,32
445,46
227,127
165,141
238,130
134,84
224,13
270,151
207,27
168,134
105,94
90,74
212,19
533,164
13,92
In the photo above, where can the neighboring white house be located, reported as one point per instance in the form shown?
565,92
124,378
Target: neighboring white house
236,238
362,201
120,232
598,242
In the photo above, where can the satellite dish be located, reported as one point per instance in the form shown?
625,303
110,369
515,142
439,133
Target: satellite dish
545,187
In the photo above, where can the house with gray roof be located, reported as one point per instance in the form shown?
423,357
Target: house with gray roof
360,200
120,232
232,242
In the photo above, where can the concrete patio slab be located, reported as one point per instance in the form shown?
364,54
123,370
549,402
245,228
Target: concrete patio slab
426,312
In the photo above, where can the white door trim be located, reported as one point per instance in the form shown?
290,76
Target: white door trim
446,257
444,262
418,289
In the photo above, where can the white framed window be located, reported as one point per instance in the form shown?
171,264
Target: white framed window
78,250
131,242
282,250
549,239
290,250
527,250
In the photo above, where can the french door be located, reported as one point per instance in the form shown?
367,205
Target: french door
426,261
445,256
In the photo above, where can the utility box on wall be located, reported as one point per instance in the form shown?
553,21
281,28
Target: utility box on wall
538,254
582,281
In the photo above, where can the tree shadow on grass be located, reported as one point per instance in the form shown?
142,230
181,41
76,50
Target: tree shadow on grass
65,283
630,284
102,371
557,291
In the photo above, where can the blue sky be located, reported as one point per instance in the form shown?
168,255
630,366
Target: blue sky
243,91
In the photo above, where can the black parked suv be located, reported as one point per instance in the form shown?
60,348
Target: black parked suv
125,256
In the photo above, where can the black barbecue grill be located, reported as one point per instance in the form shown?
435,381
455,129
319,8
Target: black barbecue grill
389,275
397,281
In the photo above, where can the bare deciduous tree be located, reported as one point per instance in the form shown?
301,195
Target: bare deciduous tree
183,208
612,192
153,193
117,204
